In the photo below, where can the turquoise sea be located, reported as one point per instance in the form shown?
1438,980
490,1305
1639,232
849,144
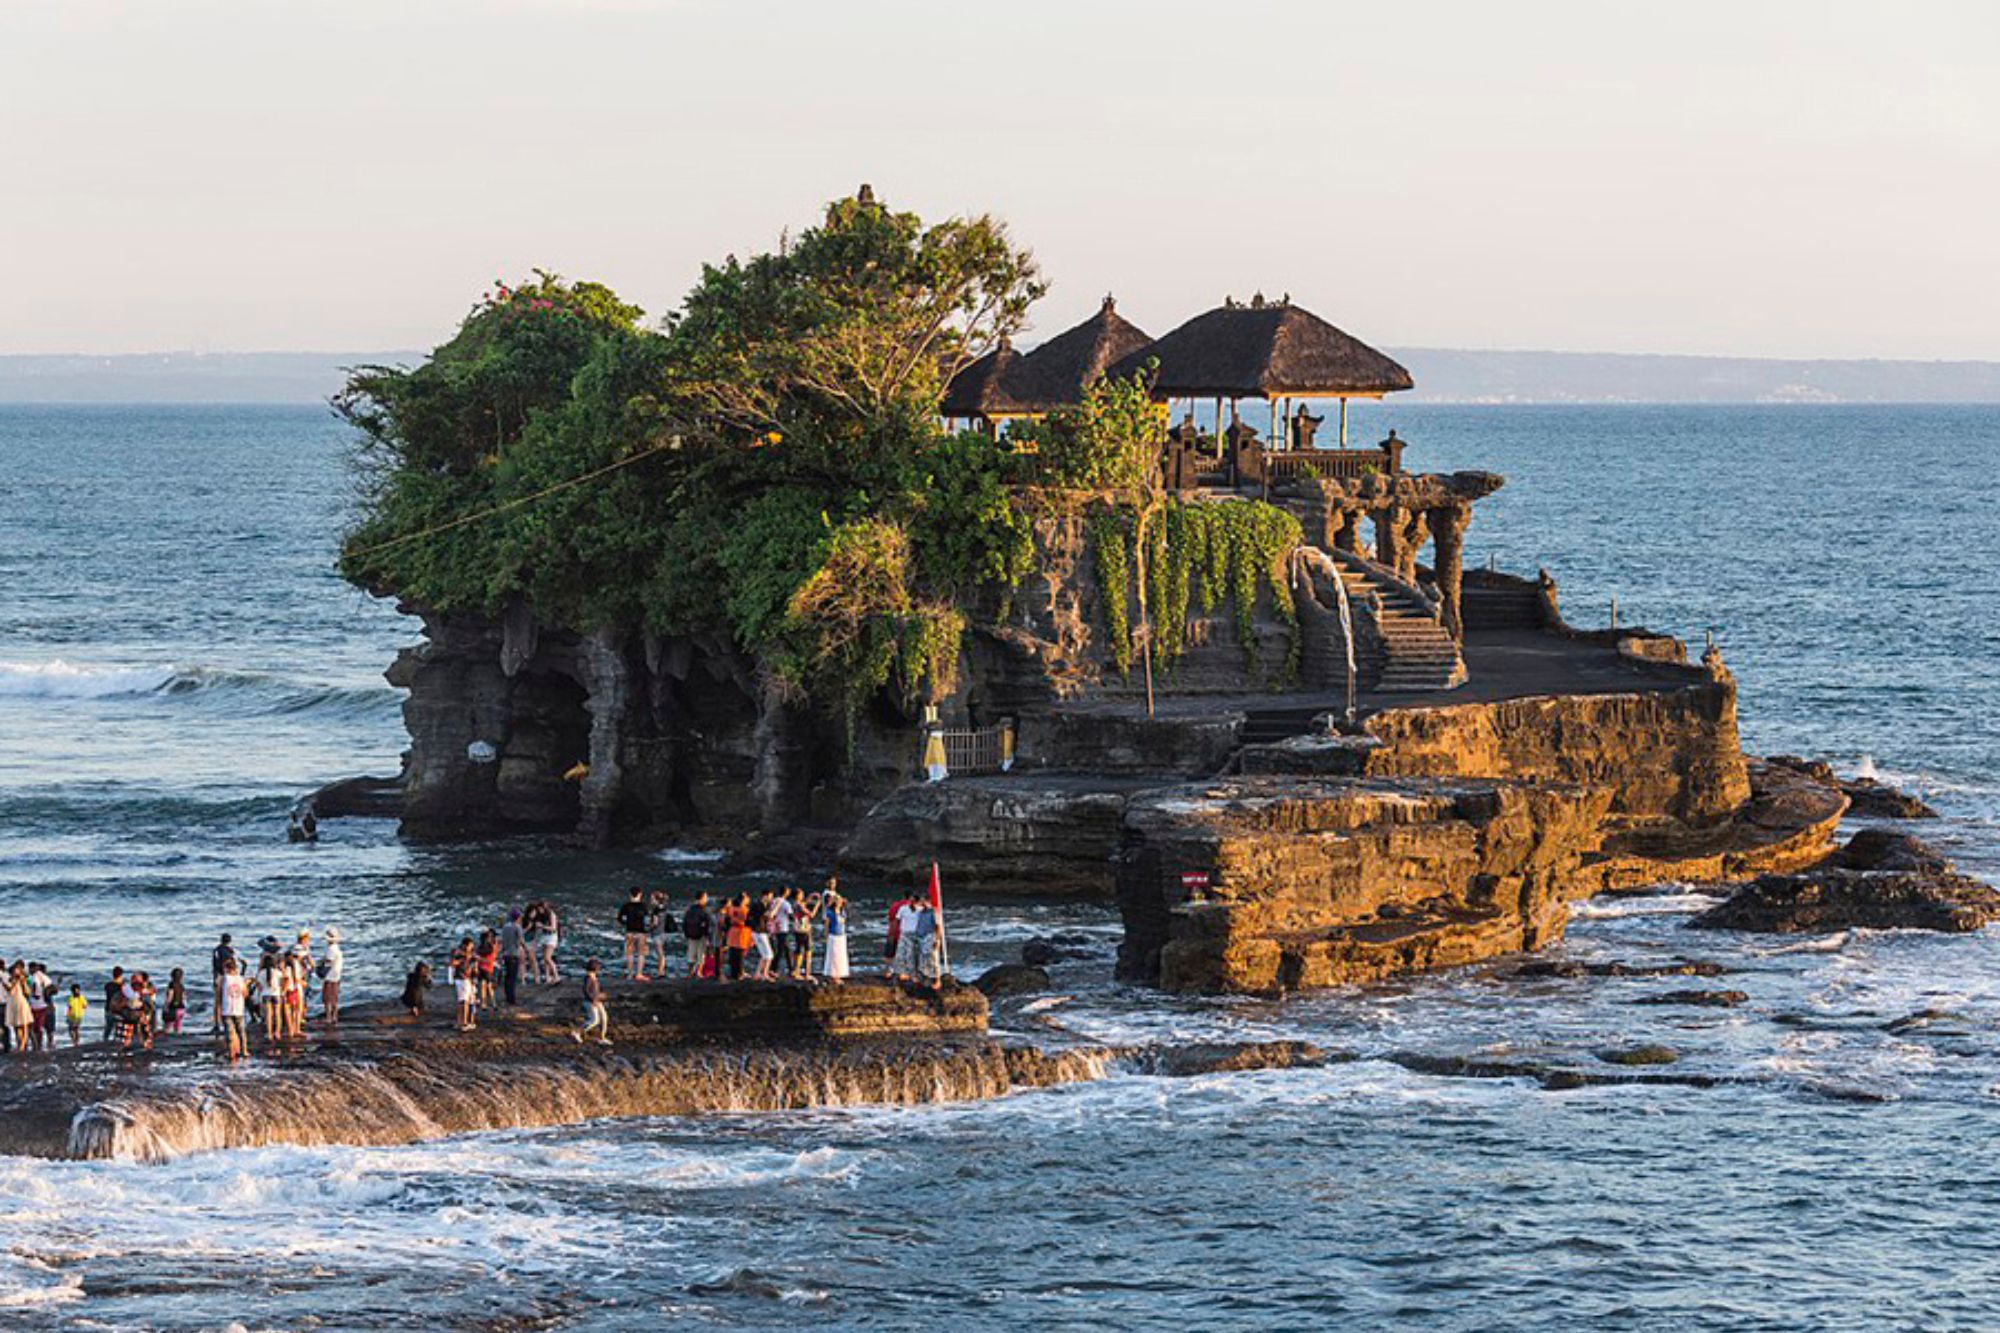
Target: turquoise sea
178,663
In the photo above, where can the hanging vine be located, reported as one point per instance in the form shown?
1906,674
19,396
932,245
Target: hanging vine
1110,547
1202,553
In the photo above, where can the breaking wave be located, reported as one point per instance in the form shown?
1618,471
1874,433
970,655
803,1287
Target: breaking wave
249,692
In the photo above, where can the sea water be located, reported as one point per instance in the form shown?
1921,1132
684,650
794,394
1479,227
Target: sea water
179,662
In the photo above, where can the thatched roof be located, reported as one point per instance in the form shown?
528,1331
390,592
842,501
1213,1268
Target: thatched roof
1265,351
982,388
1055,374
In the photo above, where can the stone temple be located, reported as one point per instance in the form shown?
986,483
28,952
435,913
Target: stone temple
1411,764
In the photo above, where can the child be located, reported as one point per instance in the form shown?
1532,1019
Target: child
596,1018
416,987
465,982
77,1007
177,1001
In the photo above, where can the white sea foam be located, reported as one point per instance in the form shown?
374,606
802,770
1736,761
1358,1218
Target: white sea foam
690,856
59,679
1662,904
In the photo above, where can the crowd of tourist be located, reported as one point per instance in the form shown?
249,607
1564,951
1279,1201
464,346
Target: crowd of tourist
775,935
273,994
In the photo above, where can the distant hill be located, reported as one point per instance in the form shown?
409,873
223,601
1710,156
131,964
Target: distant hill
1443,375
1451,376
184,377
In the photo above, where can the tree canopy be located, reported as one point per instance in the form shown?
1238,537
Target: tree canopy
767,464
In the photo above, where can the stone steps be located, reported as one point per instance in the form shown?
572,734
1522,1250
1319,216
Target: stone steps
1418,656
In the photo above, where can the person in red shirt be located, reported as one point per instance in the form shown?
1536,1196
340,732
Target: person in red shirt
895,935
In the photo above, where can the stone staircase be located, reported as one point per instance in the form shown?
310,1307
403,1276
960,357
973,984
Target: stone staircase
1418,654
1501,606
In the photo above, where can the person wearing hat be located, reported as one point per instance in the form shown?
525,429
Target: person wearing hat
332,965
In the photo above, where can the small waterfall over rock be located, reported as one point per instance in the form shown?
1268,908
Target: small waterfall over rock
406,1098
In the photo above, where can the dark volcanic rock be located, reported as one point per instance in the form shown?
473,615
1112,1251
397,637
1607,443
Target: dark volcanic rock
1011,979
1884,849
1867,798
1040,953
1649,1054
1710,999
359,798
1680,967
1233,1057
1831,898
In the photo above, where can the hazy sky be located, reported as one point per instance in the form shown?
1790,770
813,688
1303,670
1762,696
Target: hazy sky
1754,177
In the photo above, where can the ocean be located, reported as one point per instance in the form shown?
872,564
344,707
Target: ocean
179,662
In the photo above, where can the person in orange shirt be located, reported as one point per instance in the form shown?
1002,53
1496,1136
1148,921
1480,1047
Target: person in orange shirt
736,937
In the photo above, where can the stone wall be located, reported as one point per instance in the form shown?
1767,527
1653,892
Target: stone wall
1671,753
1265,884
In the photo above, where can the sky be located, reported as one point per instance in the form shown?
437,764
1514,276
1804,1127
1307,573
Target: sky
1756,178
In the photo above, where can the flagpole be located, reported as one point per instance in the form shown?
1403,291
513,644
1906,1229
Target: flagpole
937,910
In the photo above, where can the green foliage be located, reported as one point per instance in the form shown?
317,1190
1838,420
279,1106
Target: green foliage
769,467
1111,530
1200,553
1110,440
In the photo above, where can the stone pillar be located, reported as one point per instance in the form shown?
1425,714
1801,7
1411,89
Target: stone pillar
1410,541
1448,527
609,682
1347,531
1389,537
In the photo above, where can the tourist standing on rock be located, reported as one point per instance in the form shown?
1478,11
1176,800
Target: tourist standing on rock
659,930
833,911
760,934
292,977
270,989
332,968
908,912
232,1001
632,920
778,928
737,938
486,966
551,937
41,1007
513,944
219,959
802,934
892,942
114,990
19,1015
139,999
76,1007
596,1018
697,925
465,986
923,927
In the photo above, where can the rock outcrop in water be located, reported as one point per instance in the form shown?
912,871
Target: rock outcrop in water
1263,885
1879,881
1867,798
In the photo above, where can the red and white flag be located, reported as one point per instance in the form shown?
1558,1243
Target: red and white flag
937,914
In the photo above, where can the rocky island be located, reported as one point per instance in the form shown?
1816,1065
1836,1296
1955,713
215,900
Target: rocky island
824,571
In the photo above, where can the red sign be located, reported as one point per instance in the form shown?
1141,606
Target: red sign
1193,881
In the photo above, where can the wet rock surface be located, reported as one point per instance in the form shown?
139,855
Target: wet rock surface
1011,979
1233,1057
1564,967
1879,881
1646,1054
1869,798
1703,999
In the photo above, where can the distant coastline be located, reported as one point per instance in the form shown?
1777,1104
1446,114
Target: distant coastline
1443,375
